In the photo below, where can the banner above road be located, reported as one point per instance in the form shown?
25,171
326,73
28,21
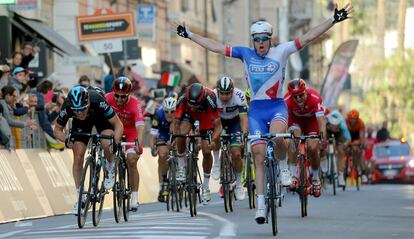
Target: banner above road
105,26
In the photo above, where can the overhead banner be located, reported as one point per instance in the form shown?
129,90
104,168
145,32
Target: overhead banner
337,73
98,27
146,20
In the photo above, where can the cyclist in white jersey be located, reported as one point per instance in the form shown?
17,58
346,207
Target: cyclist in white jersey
265,69
231,103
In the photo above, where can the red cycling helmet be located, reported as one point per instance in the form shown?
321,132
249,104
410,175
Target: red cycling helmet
297,86
353,114
194,94
122,85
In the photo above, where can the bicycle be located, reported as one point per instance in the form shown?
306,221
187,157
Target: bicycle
91,189
304,172
351,168
248,172
192,185
227,176
332,175
273,183
122,189
175,191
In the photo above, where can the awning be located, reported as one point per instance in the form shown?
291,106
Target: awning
37,28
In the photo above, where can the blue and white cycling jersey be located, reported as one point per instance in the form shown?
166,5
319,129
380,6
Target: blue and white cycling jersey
265,75
342,126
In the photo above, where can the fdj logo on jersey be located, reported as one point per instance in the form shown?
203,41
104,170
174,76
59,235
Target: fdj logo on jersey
270,68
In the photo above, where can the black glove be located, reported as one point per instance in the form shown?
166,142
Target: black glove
182,31
339,15
154,151
114,148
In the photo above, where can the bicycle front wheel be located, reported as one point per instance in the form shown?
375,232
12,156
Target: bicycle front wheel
126,191
117,193
272,197
84,198
192,185
302,187
99,195
332,172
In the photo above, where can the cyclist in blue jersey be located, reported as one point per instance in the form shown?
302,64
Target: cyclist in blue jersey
159,137
265,69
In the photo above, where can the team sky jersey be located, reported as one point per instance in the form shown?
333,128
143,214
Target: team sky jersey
236,105
98,109
355,128
206,114
343,129
159,124
130,114
313,105
265,75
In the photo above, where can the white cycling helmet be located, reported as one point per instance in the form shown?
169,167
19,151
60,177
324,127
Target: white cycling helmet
333,119
261,27
169,104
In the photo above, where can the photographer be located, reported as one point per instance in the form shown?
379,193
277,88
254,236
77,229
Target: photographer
54,107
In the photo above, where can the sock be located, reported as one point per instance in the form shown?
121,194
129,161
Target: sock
294,170
260,201
134,196
206,180
216,157
181,163
238,178
315,174
284,164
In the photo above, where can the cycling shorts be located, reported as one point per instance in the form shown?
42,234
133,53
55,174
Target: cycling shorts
262,113
85,126
130,137
232,126
308,125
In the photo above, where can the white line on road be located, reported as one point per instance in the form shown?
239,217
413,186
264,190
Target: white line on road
9,234
228,229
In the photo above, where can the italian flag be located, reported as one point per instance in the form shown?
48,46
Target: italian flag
170,79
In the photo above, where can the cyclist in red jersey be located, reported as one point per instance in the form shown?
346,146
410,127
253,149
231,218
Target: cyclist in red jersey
198,104
128,109
306,116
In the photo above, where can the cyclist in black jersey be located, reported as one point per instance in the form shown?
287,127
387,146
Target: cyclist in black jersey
88,108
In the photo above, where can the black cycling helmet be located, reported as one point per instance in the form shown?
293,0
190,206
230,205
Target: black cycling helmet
122,85
78,97
225,85
194,94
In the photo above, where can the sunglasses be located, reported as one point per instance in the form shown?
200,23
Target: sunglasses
169,111
76,110
225,93
120,96
299,96
261,38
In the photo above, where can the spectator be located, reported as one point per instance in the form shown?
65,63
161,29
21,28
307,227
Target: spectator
28,53
8,102
19,79
383,134
84,80
41,90
110,78
4,75
16,60
54,107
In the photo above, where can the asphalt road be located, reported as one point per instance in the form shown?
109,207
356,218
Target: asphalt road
377,211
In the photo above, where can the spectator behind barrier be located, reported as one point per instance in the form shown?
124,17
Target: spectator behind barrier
29,51
8,102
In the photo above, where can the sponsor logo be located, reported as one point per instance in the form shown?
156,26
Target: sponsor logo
270,68
103,105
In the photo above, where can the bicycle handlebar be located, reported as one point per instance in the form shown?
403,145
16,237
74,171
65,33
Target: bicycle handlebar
91,135
270,136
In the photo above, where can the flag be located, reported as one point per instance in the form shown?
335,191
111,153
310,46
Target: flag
170,79
338,73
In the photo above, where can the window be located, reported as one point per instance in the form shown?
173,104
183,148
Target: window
184,5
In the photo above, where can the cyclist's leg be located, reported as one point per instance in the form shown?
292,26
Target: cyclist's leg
104,127
293,156
215,172
207,165
162,170
340,163
133,175
313,151
236,156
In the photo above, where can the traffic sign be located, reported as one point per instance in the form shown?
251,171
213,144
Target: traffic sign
108,46
108,26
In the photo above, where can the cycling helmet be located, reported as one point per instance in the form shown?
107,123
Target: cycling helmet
225,85
334,118
353,114
78,97
261,27
122,85
169,104
173,95
194,94
297,86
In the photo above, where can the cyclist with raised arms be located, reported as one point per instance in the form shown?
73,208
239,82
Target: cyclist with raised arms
129,110
198,104
265,67
159,137
306,116
88,108
231,103
336,126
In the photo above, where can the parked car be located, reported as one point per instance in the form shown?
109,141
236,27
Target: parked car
392,161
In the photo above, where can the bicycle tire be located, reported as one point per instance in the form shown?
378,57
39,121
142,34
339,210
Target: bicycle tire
99,197
249,182
224,180
192,195
332,173
126,192
357,182
83,207
302,187
117,193
346,173
272,197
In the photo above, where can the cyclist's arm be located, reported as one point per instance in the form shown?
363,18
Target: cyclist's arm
243,123
140,130
154,131
322,126
315,32
217,130
118,128
209,44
